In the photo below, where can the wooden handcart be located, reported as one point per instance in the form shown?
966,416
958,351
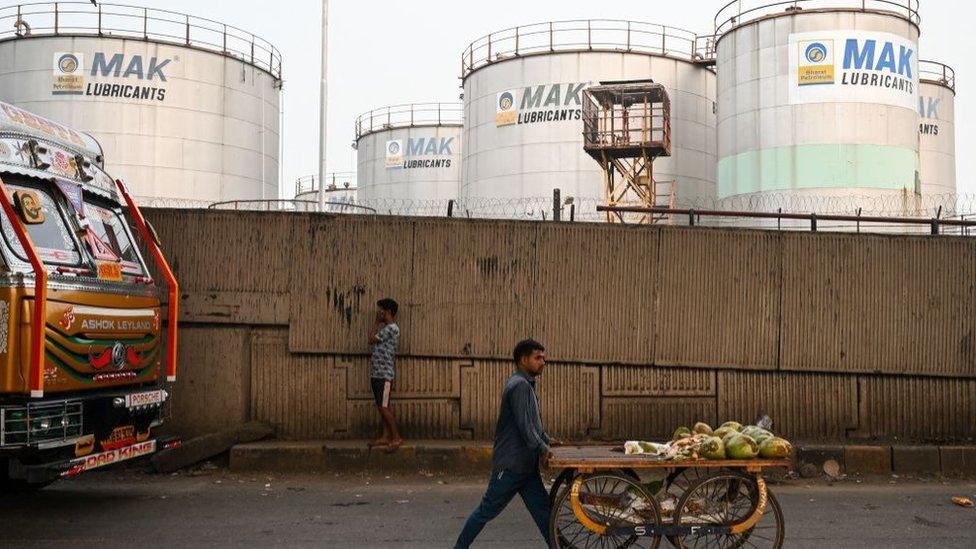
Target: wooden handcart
599,500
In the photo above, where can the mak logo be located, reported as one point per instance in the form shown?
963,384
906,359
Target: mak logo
111,75
540,104
816,62
420,152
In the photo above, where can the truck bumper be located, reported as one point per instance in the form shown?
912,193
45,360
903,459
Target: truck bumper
39,473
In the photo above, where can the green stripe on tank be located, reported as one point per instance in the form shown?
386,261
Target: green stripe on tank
817,167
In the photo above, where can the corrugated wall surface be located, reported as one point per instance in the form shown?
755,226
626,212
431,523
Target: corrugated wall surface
835,335
885,304
718,299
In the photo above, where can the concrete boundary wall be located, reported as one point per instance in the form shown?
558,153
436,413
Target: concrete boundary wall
838,336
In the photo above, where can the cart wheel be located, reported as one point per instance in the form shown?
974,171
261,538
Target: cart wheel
606,501
727,499
566,477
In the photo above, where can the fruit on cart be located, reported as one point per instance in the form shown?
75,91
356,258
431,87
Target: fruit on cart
635,447
712,448
734,425
728,436
756,433
775,448
741,446
680,433
722,431
701,428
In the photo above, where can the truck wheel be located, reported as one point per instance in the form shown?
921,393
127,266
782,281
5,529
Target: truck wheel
16,485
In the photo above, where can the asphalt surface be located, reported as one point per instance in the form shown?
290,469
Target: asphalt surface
212,507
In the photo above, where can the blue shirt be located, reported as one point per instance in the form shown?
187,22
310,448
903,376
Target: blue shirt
520,439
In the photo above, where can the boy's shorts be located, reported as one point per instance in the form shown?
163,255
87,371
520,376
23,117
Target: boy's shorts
381,391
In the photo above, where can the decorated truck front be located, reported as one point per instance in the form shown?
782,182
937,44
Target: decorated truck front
82,338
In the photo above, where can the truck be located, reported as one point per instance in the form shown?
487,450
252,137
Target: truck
84,344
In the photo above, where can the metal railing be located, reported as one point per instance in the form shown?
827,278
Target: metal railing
290,206
135,22
738,12
940,73
611,35
409,115
340,181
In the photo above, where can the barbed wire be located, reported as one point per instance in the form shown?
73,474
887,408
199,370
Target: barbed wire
895,205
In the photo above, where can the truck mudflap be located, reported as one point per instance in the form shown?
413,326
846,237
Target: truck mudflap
46,472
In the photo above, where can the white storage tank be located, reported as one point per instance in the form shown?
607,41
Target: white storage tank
187,109
523,91
340,193
407,154
818,106
937,131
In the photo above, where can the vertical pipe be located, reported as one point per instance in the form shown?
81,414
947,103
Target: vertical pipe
323,101
152,243
39,317
99,20
145,24
56,18
187,30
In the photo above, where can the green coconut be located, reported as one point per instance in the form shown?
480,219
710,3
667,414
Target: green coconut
775,448
728,436
741,447
762,436
712,448
722,431
734,425
752,431
701,429
680,433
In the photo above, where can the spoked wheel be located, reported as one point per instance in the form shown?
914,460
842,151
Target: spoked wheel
750,514
603,505
566,477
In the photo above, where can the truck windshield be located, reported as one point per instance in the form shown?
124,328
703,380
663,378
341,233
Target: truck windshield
109,228
53,240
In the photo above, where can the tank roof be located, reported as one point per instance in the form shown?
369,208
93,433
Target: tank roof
587,35
45,19
408,115
742,12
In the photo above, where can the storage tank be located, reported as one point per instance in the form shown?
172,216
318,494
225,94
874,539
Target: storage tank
937,130
187,109
523,100
340,193
818,106
409,153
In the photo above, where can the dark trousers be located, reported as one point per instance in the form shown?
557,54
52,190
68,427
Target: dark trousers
501,489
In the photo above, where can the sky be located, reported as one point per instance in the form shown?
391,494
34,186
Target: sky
389,53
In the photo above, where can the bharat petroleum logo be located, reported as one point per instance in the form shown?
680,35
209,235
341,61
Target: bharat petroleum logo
816,52
505,101
393,148
68,63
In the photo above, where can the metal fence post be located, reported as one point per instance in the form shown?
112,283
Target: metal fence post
572,212
555,204
450,208
813,223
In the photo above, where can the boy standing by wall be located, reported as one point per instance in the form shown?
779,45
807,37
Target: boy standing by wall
384,338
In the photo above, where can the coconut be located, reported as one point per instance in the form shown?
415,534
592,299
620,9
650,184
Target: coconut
762,435
741,447
775,448
734,425
701,429
722,431
681,432
752,431
712,448
728,436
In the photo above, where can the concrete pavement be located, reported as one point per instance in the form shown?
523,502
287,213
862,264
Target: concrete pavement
214,507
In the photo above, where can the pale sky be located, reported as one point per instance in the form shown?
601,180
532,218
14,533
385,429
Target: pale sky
387,53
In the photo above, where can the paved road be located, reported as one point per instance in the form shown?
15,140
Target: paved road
217,508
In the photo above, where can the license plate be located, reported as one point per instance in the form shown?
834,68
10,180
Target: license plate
144,399
95,461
